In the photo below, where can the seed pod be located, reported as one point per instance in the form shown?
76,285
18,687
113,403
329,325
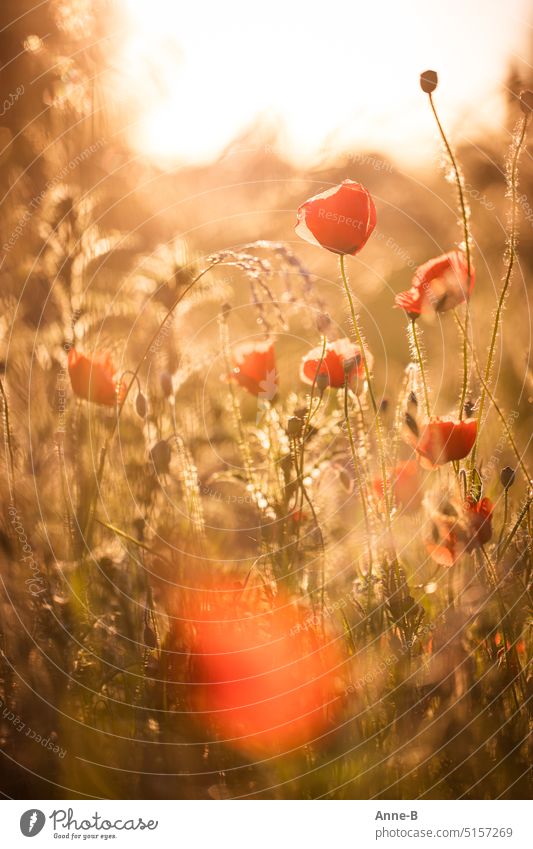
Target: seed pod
322,381
428,81
165,382
160,456
526,101
294,426
141,406
507,476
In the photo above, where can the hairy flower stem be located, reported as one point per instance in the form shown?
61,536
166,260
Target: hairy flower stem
513,181
496,406
507,630
362,491
420,359
466,238
377,418
87,530
9,445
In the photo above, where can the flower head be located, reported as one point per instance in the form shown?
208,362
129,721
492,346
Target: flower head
442,440
342,361
459,528
439,285
255,369
93,378
340,219
406,484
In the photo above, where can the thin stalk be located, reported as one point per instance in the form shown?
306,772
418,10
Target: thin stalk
362,487
466,237
524,511
9,445
507,279
135,373
377,418
505,513
496,406
416,345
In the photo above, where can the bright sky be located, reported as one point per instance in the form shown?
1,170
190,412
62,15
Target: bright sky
332,75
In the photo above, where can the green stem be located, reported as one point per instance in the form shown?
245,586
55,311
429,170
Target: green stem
86,534
507,279
9,445
505,512
377,419
362,488
496,406
420,359
466,238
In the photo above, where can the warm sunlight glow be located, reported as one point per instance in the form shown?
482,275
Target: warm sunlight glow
201,76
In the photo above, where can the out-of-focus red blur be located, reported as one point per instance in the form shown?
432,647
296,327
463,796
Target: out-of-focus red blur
265,673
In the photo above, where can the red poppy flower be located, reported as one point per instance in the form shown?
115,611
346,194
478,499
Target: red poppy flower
443,440
458,529
263,675
340,219
255,369
439,285
94,378
479,516
341,358
405,480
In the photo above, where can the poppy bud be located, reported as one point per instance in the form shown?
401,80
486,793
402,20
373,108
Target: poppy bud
160,456
323,321
526,101
469,409
141,406
507,476
322,382
165,382
150,639
429,81
294,426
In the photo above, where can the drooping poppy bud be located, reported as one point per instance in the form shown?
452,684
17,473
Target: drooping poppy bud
93,378
165,382
255,369
526,101
441,284
141,406
160,455
442,441
340,219
342,362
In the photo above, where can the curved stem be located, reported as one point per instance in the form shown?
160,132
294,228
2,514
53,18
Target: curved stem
9,445
507,279
86,534
362,486
466,236
420,359
496,406
377,419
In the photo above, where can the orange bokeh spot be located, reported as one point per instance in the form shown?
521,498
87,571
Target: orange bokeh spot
264,674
